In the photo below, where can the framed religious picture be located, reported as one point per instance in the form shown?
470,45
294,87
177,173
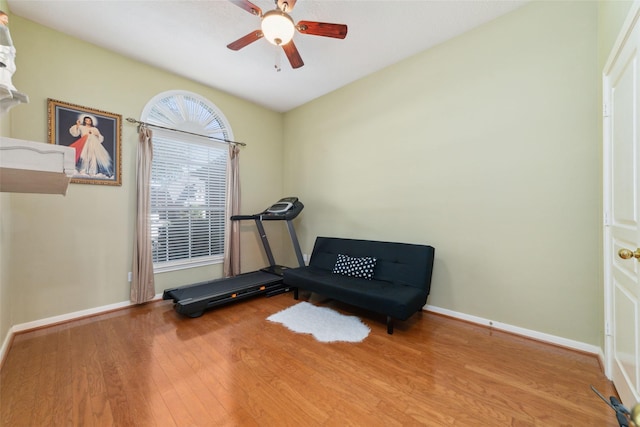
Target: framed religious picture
94,134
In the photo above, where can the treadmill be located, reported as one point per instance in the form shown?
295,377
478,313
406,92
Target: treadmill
193,300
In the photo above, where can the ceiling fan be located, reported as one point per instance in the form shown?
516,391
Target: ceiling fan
278,28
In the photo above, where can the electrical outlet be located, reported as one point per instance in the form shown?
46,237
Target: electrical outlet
129,276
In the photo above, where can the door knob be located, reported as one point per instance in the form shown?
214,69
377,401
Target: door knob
628,253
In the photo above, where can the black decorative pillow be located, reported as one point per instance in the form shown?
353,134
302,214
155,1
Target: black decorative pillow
355,267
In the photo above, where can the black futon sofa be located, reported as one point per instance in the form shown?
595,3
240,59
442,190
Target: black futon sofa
384,277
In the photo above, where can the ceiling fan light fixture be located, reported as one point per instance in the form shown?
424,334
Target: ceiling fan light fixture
277,27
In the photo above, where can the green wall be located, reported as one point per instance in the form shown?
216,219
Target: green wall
5,247
486,147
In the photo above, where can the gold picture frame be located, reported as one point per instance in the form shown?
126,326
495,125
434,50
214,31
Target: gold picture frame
96,136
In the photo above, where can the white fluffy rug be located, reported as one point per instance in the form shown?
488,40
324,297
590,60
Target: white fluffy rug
325,324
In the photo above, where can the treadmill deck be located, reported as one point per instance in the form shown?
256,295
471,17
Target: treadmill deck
192,300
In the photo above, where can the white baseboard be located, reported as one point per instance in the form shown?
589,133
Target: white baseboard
552,339
60,319
5,346
539,336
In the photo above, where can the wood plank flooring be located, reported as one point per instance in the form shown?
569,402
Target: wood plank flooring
149,366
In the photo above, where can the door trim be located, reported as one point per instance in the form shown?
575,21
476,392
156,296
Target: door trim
632,20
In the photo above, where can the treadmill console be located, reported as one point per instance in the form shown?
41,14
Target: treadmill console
282,205
283,210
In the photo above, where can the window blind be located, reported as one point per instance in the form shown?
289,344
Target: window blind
188,188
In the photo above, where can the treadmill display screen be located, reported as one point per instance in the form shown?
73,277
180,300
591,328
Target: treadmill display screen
280,207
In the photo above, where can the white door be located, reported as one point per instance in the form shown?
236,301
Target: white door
622,211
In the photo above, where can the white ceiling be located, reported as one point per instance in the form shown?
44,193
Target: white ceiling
189,38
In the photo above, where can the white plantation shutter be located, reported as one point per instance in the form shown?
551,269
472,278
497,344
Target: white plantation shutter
188,181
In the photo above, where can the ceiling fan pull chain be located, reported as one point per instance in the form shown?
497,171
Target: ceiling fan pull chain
277,59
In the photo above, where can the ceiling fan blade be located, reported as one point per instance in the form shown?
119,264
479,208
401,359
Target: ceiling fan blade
337,31
248,6
294,57
243,41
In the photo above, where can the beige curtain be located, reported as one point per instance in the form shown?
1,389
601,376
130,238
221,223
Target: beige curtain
142,284
232,228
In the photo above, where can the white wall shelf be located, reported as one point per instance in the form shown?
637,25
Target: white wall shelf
35,167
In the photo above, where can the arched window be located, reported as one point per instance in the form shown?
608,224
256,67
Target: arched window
188,180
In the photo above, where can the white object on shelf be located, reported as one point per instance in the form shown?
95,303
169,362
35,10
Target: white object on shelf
35,167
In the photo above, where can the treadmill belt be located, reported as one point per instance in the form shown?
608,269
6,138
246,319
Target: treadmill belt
224,286
193,299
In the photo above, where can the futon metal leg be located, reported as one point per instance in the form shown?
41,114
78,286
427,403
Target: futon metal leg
389,325
295,293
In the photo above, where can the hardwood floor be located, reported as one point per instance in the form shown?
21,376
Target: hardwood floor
148,366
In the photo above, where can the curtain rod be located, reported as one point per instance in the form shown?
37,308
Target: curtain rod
130,120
